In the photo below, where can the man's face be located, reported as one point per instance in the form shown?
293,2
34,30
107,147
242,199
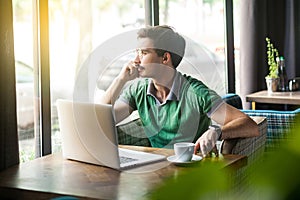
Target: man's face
150,63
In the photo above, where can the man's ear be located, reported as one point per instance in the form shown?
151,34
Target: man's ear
166,57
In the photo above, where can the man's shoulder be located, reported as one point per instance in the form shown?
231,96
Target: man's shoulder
195,86
193,82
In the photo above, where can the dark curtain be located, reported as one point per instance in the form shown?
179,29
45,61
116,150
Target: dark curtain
292,39
280,21
9,150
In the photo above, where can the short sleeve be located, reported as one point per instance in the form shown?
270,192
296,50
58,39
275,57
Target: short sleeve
134,92
127,96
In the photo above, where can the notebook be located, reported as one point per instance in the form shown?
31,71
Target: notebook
89,135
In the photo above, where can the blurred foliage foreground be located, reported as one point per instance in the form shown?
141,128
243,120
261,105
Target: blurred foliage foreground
277,177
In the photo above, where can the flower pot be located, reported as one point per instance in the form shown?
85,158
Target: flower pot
272,84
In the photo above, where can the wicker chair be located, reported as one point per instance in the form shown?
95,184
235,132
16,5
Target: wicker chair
279,122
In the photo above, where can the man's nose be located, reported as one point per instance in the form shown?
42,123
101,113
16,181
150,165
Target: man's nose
137,59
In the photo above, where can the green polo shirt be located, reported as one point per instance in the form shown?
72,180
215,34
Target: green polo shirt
183,117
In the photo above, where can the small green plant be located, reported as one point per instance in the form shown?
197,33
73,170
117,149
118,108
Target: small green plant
27,155
272,54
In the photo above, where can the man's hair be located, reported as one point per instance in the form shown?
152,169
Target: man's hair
165,39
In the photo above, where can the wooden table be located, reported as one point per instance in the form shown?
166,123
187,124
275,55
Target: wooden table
292,98
53,176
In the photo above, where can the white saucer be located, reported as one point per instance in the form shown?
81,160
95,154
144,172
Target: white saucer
195,159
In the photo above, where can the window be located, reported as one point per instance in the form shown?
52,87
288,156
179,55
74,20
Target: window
203,23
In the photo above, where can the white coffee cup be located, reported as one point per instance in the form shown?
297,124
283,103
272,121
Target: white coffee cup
184,151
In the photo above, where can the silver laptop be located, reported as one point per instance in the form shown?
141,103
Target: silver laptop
89,135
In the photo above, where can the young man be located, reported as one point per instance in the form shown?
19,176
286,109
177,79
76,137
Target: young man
173,107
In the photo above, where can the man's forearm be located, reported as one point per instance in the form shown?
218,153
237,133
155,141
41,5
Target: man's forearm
113,91
128,72
235,124
240,127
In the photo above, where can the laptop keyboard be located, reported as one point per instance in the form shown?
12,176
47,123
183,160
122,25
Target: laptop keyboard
126,159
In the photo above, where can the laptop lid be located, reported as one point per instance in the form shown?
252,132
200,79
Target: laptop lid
89,135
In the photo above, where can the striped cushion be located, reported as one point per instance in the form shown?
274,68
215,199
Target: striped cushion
280,124
132,133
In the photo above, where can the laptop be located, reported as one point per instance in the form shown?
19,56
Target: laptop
89,135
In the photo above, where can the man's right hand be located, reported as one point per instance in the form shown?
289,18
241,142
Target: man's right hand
129,72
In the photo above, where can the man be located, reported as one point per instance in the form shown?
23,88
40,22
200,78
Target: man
173,107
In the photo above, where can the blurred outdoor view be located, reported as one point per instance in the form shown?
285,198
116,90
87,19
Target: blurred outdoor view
78,27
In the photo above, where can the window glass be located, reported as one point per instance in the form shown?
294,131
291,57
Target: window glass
236,23
203,23
23,47
77,28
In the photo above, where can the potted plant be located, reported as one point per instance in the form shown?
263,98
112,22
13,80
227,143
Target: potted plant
272,78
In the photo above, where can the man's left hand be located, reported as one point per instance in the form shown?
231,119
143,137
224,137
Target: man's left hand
207,143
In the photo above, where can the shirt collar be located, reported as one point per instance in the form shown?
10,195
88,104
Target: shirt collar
174,94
